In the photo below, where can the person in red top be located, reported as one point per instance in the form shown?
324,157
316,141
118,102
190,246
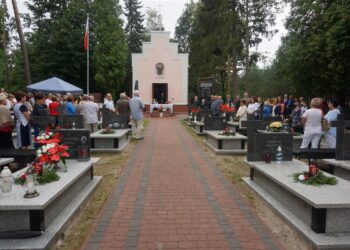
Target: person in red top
53,107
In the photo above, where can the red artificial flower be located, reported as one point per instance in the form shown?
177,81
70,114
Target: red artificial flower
62,148
53,150
55,157
65,154
23,176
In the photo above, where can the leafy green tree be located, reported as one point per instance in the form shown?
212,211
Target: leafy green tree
4,41
259,17
183,27
314,55
110,52
57,40
216,38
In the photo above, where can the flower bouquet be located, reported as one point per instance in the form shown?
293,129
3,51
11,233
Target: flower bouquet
225,108
315,180
275,127
50,155
194,112
107,131
227,132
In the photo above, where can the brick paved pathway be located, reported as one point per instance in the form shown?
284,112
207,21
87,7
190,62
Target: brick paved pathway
171,196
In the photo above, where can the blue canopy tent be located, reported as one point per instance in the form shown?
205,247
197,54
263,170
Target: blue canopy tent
54,85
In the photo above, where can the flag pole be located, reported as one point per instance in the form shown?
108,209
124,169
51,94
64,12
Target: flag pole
87,59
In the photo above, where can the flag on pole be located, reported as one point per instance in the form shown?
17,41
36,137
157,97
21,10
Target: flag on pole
86,38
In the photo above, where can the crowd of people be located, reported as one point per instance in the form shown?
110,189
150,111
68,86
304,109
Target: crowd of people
303,117
17,110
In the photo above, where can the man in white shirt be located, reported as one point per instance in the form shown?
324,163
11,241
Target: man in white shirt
90,112
48,100
109,102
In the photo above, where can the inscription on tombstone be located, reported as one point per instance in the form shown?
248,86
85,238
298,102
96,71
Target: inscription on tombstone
68,120
43,121
78,141
122,120
269,143
214,123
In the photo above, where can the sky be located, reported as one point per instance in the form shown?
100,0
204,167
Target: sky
171,10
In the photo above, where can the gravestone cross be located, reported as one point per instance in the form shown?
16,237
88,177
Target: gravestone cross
343,138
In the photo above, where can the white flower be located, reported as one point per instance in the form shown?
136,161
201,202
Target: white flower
39,155
50,134
301,177
44,149
47,137
39,151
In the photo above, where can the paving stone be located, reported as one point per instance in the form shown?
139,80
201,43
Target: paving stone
171,196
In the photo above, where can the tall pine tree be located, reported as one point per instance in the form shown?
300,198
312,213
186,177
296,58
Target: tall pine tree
134,28
135,33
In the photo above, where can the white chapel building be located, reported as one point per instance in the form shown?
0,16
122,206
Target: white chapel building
161,72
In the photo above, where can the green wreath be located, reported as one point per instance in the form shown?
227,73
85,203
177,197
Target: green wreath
318,180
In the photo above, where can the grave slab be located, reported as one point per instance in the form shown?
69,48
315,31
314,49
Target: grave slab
109,142
57,203
4,161
314,211
339,168
199,128
222,144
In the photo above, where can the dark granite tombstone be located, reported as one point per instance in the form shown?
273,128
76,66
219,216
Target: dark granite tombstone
250,117
110,118
269,143
252,126
68,120
204,112
214,123
343,138
42,122
122,120
78,141
272,119
43,112
61,111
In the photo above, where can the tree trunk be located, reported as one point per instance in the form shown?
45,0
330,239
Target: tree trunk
4,45
22,41
247,42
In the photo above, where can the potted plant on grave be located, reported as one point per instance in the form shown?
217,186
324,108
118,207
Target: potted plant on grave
226,109
195,111
227,132
50,155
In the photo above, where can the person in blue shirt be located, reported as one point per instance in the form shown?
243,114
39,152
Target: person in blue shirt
332,115
70,109
267,109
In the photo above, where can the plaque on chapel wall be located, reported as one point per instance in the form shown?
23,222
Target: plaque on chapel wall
160,69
